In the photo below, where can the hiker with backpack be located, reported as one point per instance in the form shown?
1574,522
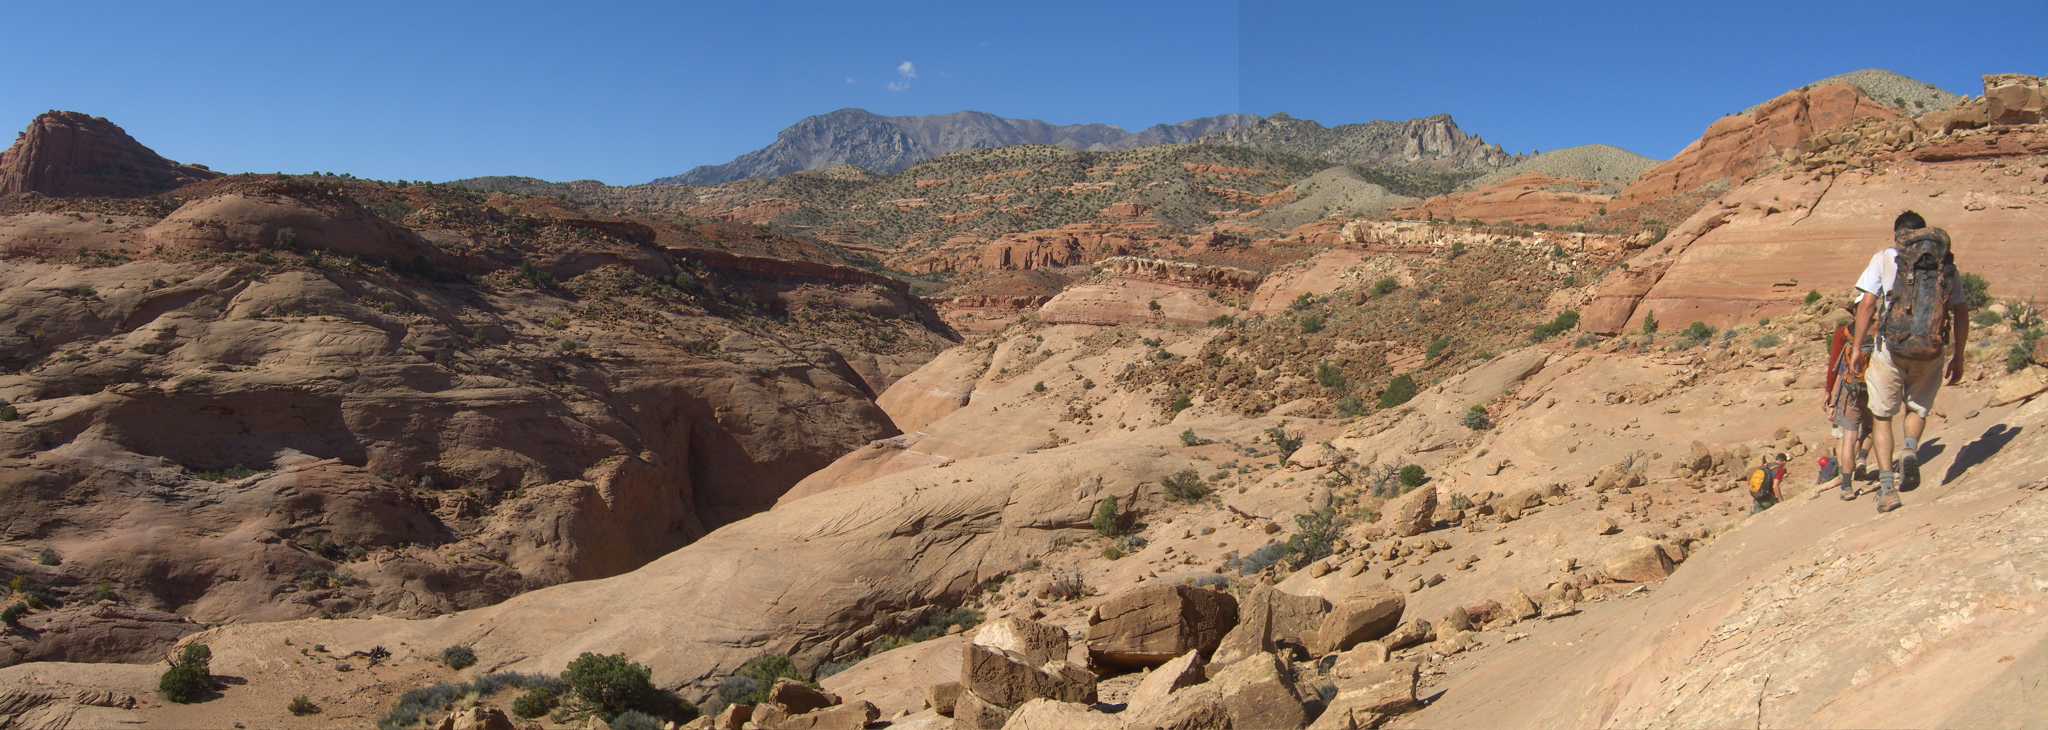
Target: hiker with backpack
1763,482
1912,302
1848,407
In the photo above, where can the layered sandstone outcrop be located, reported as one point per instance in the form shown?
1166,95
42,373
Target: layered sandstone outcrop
1526,199
68,154
1738,146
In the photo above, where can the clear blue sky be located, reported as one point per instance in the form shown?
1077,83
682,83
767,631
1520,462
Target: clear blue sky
625,92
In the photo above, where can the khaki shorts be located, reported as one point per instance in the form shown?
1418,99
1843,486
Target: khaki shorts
1913,381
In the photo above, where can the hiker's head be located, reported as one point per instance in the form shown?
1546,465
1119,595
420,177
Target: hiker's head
1908,221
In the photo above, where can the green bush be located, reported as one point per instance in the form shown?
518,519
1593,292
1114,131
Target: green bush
1188,438
1400,389
1986,318
1285,441
1385,286
1564,322
609,684
1038,387
1152,305
1304,301
1311,324
1812,295
8,413
1649,323
1185,485
1767,340
301,706
536,702
1329,377
635,720
1412,476
1181,402
1699,332
1436,347
458,657
189,677
1221,320
13,613
1350,405
1107,521
1476,419
49,557
1317,534
1976,290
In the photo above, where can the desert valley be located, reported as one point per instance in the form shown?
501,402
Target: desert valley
971,422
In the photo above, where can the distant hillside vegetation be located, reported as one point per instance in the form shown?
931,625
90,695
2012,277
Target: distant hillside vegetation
1597,162
1430,144
889,144
1898,91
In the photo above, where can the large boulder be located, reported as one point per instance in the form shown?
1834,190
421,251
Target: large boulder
1258,692
1368,700
1413,513
1638,564
1186,670
1043,714
974,713
796,698
1154,624
1037,643
853,715
1270,619
1008,680
476,718
1371,614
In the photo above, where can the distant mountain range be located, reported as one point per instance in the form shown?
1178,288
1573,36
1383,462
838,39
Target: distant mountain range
889,144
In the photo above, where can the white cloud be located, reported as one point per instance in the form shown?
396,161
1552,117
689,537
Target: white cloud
909,71
849,79
898,85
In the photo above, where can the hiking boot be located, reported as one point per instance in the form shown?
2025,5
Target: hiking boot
1887,492
1848,488
1909,472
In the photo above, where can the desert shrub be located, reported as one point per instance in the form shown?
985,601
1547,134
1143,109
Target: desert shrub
415,705
1185,485
1699,332
1476,419
940,623
1436,348
1385,286
1457,249
49,557
830,668
1181,402
1107,521
1329,377
609,684
740,689
1285,441
301,706
635,720
458,657
1586,340
1317,533
496,682
1812,295
1188,438
1460,501
1262,558
1152,305
536,702
1557,250
1311,324
190,675
1976,290
13,613
1986,318
1564,322
1400,389
1767,340
1087,384
1412,476
1301,302
1113,551
567,345
1350,405
2022,351
1649,322
103,591
1038,387
1222,320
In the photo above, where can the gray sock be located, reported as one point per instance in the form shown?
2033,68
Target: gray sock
1912,445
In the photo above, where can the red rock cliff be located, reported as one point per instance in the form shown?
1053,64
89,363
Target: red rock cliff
68,154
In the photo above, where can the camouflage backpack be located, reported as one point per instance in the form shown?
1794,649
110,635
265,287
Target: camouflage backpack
1915,320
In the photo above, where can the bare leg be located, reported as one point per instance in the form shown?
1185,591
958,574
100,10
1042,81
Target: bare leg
1883,435
1845,460
1915,425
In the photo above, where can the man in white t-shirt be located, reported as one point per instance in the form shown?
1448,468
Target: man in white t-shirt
1895,380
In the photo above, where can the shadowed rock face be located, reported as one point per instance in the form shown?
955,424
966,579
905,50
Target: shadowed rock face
68,154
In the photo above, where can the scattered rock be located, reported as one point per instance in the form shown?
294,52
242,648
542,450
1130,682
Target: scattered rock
941,697
1411,514
1007,681
1185,670
1259,693
1638,564
796,698
1385,690
1271,618
1037,643
1044,714
1367,615
853,715
477,718
1411,633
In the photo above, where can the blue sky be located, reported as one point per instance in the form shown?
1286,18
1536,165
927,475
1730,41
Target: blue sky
625,92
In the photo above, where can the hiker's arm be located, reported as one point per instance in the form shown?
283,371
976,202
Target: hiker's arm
1959,318
1865,310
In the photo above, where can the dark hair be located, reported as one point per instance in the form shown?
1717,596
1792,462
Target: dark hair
1908,221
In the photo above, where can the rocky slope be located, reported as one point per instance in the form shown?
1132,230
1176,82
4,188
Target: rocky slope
1433,144
271,397
887,144
70,154
1904,94
1596,162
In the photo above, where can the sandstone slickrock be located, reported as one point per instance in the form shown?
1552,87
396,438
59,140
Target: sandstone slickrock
1358,659
1367,700
1737,146
850,716
1154,624
796,698
1409,634
1367,615
1006,681
1035,642
64,154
